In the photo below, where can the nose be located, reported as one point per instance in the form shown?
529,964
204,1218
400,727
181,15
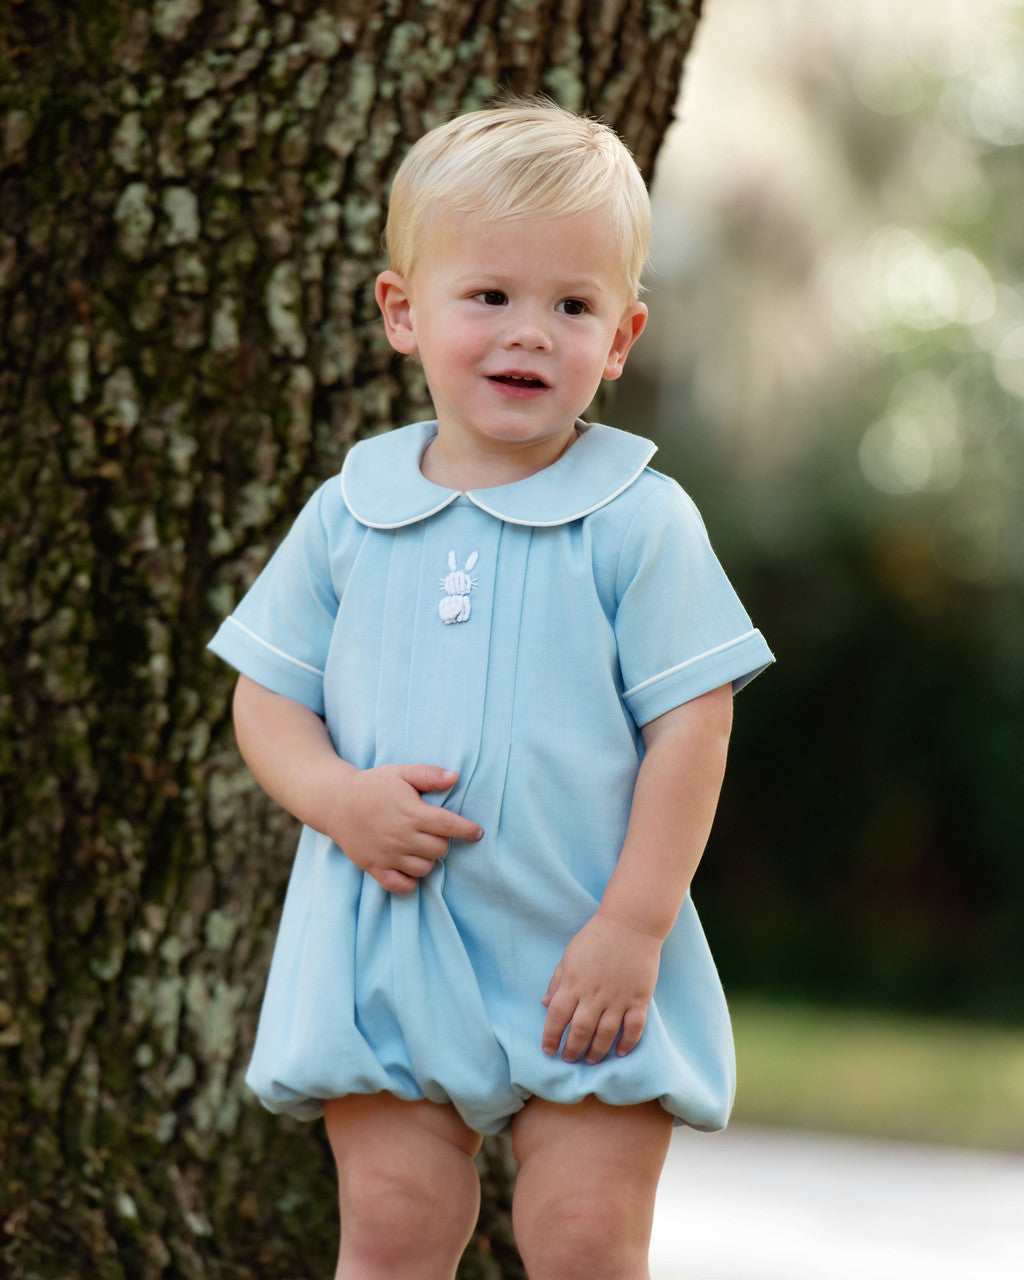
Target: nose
527,332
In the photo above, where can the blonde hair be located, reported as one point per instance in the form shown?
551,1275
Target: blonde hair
527,158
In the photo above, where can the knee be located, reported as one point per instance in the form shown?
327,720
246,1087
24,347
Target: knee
591,1231
390,1217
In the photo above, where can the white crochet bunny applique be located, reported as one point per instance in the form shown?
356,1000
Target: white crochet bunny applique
455,606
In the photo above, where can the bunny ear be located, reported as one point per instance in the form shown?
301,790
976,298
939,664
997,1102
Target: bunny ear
473,557
453,564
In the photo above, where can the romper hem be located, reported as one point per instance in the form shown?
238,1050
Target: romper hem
522,636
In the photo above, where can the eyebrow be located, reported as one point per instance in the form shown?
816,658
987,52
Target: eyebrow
569,287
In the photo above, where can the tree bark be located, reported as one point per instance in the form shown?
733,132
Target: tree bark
191,202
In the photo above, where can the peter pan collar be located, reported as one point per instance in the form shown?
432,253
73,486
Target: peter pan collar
383,487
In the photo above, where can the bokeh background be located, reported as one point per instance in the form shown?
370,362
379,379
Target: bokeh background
835,370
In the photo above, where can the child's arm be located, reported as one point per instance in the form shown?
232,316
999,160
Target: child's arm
606,978
377,816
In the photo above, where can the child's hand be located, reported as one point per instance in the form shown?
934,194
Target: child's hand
385,827
603,984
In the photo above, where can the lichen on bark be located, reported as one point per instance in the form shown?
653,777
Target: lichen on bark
191,202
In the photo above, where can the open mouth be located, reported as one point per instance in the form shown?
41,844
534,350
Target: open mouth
517,380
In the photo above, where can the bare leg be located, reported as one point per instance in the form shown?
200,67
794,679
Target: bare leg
584,1200
408,1190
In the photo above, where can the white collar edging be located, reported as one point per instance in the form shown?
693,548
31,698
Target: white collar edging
383,487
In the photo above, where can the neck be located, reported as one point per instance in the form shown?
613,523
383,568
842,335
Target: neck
454,470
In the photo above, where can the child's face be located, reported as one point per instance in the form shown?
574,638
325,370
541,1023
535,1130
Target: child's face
516,323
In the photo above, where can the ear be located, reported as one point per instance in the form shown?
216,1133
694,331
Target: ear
631,326
395,302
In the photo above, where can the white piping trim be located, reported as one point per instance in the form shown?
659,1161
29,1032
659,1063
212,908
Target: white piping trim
548,524
398,524
280,653
729,644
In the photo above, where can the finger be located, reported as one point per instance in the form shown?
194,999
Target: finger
553,986
428,777
559,1017
394,881
632,1029
449,826
580,1033
417,867
608,1028
423,845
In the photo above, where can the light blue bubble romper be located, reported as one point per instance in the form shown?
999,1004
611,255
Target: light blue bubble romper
522,635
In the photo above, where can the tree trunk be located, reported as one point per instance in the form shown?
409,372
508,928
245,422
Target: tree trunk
190,215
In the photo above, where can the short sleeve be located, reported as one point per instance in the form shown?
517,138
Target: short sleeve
680,628
280,633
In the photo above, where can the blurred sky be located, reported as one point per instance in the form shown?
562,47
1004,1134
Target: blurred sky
796,202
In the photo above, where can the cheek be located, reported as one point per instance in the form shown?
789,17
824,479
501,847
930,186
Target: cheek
453,341
464,348
589,360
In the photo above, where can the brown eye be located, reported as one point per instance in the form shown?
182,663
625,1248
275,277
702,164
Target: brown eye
493,297
573,307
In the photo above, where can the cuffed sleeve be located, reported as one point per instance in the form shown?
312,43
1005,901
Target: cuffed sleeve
280,633
680,627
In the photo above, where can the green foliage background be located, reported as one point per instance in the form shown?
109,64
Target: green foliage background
845,400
